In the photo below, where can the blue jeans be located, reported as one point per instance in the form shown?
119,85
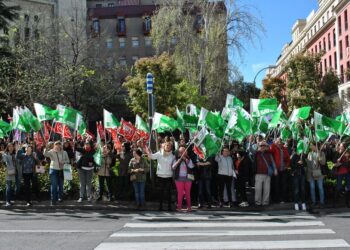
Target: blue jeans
139,189
56,184
8,190
340,179
204,188
17,185
299,188
320,190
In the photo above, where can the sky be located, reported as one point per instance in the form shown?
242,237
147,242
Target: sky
278,17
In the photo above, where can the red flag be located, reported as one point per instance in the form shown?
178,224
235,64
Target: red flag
198,152
127,130
101,130
66,132
117,144
63,130
38,139
58,128
47,129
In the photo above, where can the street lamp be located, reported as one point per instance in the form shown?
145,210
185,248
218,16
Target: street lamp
256,75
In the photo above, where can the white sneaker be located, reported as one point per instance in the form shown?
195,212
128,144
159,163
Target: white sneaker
80,200
296,207
244,204
303,206
89,199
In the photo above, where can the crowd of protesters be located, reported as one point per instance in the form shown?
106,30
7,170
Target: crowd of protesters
273,169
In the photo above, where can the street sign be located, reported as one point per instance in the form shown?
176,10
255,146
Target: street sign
149,82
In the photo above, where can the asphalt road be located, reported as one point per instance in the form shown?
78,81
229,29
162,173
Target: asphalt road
160,230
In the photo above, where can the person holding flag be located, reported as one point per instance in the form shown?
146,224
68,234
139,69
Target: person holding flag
104,173
225,174
342,164
280,181
85,167
314,174
58,157
298,167
165,158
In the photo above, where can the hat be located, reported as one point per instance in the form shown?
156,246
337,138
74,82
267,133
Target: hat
263,143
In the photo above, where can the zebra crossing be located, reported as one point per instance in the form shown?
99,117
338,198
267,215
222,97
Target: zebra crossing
229,230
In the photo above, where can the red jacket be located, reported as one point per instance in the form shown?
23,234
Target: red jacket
276,152
344,167
260,164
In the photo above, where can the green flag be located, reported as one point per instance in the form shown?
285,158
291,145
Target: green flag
67,116
285,134
212,121
98,155
259,107
300,113
232,101
109,120
30,119
192,110
275,119
186,121
209,144
44,113
5,128
141,124
80,125
18,122
162,123
324,123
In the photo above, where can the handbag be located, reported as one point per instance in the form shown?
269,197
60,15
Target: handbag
270,168
133,177
316,173
11,171
190,177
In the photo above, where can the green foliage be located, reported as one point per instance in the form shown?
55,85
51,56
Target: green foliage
304,84
274,88
329,83
244,91
169,89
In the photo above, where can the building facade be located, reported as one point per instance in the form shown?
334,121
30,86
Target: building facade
323,31
120,30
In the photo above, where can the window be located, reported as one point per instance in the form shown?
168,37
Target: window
329,41
110,4
342,73
325,65
346,19
36,34
335,60
109,43
148,42
134,59
122,43
36,18
199,22
110,62
339,25
330,61
122,60
341,49
99,5
26,34
324,44
135,42
26,18
334,39
320,46
312,51
121,27
173,40
316,49
323,20
147,25
347,41
95,26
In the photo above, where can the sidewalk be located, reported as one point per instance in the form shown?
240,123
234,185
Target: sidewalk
130,206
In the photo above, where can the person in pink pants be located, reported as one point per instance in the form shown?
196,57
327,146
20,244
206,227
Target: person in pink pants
183,172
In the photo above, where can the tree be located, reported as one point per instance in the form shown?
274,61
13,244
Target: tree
275,88
55,66
7,15
304,84
169,89
244,91
329,83
198,35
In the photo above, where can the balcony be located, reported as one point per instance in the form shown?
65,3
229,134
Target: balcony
146,28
